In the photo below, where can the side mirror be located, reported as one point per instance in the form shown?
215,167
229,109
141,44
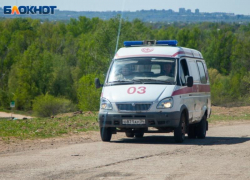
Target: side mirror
190,81
97,83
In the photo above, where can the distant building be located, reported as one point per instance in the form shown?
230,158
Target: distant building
197,11
182,10
170,11
189,11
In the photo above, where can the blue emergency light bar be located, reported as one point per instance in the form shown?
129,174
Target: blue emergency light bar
167,42
160,42
132,43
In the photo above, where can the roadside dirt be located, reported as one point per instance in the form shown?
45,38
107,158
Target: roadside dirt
231,111
17,145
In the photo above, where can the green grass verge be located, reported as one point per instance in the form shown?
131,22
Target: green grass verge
47,127
216,118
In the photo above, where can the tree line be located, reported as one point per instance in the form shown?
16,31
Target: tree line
61,59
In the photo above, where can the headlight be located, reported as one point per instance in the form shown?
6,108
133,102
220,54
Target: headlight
105,104
165,103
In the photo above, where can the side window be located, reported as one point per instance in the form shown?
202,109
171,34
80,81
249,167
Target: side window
183,72
202,72
206,73
194,71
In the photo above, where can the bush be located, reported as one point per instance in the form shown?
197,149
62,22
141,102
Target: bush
228,90
220,88
88,95
48,105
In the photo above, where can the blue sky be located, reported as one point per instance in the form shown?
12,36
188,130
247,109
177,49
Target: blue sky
229,6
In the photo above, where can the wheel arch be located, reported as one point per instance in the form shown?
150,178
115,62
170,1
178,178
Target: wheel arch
184,110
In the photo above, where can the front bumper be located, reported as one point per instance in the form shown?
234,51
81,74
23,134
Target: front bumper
152,119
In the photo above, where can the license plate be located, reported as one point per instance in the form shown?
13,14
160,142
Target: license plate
133,121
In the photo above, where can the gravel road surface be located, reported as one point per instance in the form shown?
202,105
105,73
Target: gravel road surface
224,154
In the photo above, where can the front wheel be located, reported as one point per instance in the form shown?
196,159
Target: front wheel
106,134
179,132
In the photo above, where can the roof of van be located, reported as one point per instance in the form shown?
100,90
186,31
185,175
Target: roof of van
157,51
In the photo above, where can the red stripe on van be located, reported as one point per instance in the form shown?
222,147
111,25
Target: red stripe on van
204,88
196,88
180,52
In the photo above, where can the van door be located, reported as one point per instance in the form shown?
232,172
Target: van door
202,90
186,98
193,69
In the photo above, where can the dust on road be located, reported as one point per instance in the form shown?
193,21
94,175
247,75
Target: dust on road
224,154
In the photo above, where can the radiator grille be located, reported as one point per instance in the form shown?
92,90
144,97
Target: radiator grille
133,107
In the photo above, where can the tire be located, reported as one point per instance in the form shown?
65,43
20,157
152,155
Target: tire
139,135
130,134
106,134
179,132
201,128
191,131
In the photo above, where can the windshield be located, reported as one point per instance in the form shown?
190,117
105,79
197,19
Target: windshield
143,70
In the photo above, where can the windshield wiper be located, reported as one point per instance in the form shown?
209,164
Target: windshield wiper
121,82
154,81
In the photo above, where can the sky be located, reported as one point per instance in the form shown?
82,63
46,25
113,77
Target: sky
228,6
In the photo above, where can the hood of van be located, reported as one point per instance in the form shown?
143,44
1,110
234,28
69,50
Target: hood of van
137,93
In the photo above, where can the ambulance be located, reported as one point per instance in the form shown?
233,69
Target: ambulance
155,87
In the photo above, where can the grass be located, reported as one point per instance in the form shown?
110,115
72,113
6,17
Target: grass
223,117
47,127
229,113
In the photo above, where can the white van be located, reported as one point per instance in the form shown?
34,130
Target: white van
155,87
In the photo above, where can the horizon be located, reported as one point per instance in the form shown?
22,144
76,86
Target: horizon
145,10
239,7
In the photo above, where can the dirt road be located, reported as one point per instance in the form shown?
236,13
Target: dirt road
17,116
224,154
